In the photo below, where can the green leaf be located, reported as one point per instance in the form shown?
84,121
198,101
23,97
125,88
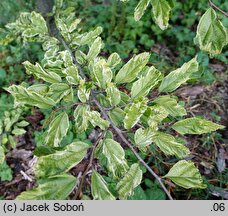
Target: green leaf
53,188
86,38
117,115
61,161
41,89
72,75
113,94
69,97
145,83
22,123
144,137
129,182
18,131
95,119
211,34
161,12
12,141
1,126
57,91
66,58
5,172
132,68
116,162
39,72
2,155
140,9
185,174
134,112
94,49
157,114
195,125
169,145
57,130
155,193
113,60
99,188
83,91
81,120
102,73
25,96
171,106
63,28
179,76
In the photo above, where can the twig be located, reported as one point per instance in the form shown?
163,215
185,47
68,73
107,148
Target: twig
89,165
217,8
117,130
26,177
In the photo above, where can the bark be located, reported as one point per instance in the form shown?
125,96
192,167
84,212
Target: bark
45,6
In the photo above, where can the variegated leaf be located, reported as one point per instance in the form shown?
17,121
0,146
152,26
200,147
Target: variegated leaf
57,129
132,68
129,182
179,76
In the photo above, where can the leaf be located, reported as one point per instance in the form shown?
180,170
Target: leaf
116,162
2,155
133,112
39,72
63,28
211,35
66,58
138,194
12,141
132,68
145,83
99,188
171,106
140,9
102,73
86,38
95,119
185,174
53,188
130,181
69,97
41,89
157,114
81,120
144,137
18,131
61,161
155,194
72,75
57,129
94,49
113,94
113,60
24,96
22,123
179,76
169,145
195,125
58,91
117,115
161,12
5,172
83,91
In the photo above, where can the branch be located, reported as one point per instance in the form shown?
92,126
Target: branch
120,134
217,8
117,130
89,165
